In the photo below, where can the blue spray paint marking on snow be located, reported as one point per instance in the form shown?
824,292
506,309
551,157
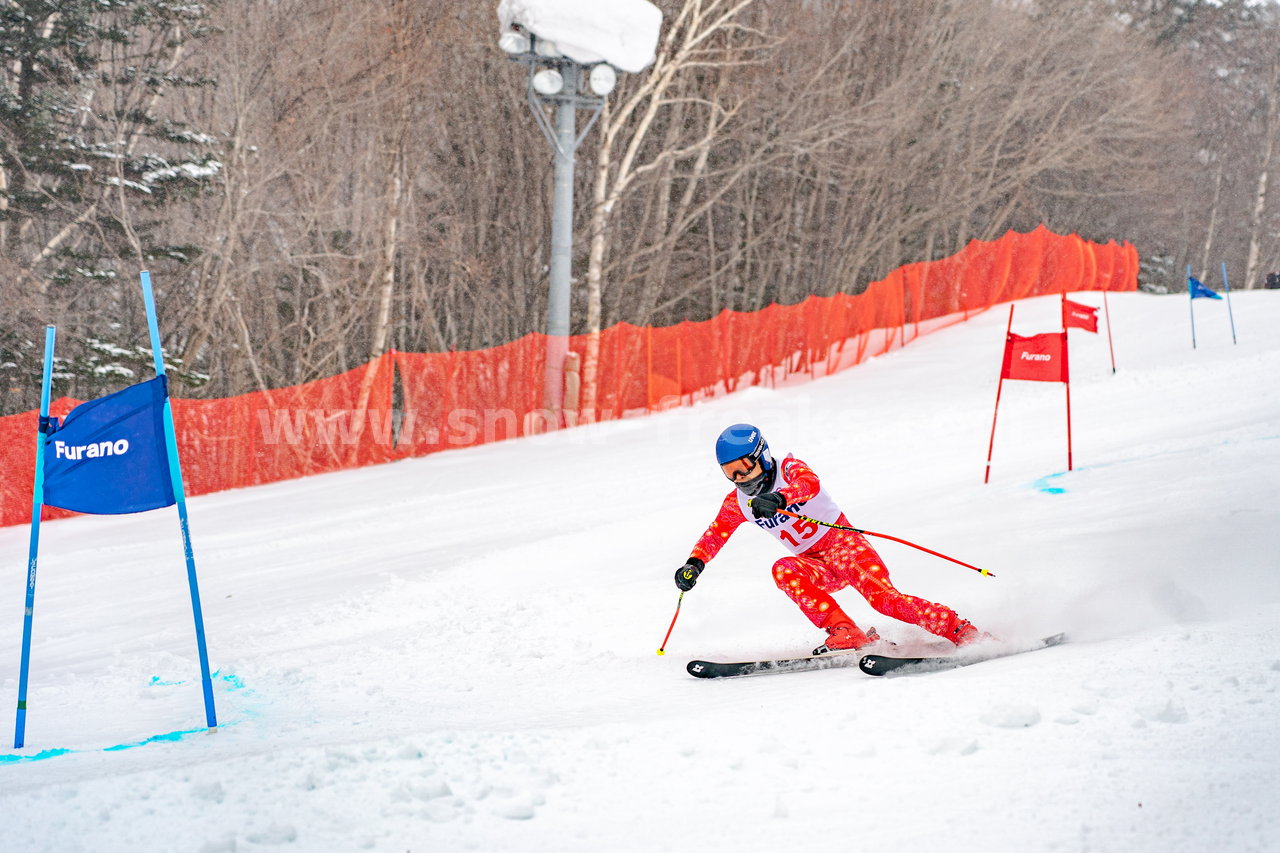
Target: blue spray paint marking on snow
169,737
1043,484
48,753
231,680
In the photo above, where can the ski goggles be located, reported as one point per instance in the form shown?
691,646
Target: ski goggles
742,469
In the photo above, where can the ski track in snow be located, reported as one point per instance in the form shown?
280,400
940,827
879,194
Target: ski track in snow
457,652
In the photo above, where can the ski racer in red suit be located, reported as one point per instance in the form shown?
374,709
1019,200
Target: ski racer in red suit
823,560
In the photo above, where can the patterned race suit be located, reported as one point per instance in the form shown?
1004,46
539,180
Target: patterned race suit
823,560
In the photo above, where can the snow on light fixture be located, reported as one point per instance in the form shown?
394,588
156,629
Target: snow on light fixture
548,82
513,42
544,47
603,78
623,33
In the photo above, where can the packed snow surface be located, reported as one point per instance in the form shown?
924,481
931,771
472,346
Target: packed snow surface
622,32
457,652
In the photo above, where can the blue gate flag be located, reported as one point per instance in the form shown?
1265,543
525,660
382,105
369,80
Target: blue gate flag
108,456
1198,289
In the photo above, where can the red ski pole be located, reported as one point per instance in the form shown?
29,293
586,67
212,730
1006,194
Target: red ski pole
885,536
662,650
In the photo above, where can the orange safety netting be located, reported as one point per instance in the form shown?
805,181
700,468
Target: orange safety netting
410,404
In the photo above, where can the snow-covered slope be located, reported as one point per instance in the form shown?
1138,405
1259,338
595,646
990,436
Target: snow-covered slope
457,652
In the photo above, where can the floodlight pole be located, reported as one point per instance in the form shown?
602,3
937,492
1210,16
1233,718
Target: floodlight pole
560,273
565,139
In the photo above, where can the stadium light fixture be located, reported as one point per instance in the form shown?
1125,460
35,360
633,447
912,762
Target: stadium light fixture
548,81
602,78
513,42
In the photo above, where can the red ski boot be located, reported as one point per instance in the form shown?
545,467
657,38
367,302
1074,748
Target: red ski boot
843,635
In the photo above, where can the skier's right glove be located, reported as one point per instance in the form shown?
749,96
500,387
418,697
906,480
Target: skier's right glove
767,505
687,575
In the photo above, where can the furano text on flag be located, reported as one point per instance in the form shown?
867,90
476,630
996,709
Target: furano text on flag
108,456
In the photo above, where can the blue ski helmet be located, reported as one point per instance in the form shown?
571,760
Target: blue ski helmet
744,441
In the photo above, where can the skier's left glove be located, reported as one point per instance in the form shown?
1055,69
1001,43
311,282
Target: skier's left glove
767,505
687,575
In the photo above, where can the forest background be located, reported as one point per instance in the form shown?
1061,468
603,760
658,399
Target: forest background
313,182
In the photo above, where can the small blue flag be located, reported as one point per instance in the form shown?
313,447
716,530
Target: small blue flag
1199,290
108,456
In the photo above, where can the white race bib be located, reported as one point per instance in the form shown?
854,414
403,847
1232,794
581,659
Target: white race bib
796,534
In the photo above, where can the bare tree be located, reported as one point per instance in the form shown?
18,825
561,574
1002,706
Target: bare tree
699,37
1257,221
380,185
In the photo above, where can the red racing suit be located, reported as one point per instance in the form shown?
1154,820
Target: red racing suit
823,560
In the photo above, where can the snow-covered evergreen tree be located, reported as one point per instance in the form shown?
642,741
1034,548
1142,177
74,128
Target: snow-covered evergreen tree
89,161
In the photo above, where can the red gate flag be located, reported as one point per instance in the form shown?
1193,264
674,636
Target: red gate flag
1078,316
1039,358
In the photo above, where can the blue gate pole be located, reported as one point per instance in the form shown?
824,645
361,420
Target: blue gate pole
1227,288
37,502
175,476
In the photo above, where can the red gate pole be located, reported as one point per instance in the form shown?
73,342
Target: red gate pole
1068,384
1107,310
999,386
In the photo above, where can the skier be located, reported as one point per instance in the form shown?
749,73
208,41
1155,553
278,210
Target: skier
823,560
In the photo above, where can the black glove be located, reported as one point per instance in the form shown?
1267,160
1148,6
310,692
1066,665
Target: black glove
767,505
687,575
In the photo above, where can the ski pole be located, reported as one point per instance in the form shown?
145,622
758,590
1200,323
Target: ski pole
662,650
885,536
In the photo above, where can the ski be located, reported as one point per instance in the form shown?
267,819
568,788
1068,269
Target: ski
873,664
713,669
887,664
